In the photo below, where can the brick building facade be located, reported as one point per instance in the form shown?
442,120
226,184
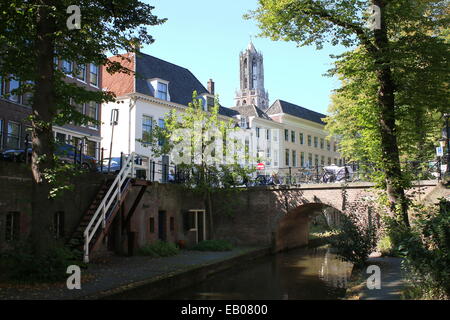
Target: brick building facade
15,109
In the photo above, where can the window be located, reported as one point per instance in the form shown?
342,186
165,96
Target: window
287,157
310,161
209,102
275,155
151,225
340,162
13,135
322,143
302,159
329,161
322,160
268,153
275,135
79,107
1,133
293,136
147,124
316,142
301,138
12,226
162,125
92,112
14,85
60,137
309,140
76,142
91,148
58,224
81,72
268,135
93,75
316,160
243,122
257,132
335,161
294,158
286,134
161,92
334,147
247,151
67,67
328,146
27,97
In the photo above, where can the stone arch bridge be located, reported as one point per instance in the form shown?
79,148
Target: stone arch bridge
280,216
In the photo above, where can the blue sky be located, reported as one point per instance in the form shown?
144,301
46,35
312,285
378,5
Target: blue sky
207,36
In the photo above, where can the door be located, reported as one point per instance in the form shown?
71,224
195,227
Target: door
162,226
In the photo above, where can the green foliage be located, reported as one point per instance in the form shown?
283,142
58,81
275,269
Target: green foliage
21,264
213,245
426,249
357,236
159,249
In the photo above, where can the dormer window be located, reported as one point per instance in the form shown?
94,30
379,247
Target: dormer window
159,88
161,92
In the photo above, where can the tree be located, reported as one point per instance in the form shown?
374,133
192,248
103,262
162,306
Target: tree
204,147
400,23
32,35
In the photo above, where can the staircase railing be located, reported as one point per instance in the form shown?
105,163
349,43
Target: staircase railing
114,194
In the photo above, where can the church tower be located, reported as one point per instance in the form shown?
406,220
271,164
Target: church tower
252,79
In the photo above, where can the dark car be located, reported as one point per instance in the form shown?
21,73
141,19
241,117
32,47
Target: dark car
65,152
17,155
113,167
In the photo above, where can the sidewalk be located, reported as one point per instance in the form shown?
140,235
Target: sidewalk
120,273
392,281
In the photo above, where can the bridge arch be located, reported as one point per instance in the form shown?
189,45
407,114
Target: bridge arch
292,230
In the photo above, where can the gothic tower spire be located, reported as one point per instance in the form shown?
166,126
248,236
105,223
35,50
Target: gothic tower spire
252,79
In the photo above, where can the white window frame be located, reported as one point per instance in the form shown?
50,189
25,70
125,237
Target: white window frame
91,65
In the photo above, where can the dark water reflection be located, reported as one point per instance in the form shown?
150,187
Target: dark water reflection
298,274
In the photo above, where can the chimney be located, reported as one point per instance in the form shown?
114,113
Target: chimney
211,86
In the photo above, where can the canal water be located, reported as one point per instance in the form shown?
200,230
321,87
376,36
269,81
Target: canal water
306,273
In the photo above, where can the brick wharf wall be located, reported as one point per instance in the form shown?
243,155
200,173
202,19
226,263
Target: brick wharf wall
172,200
15,196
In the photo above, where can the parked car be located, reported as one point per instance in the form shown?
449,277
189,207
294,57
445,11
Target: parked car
106,167
65,153
17,155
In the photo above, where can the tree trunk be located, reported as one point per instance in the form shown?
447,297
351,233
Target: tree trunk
386,101
43,110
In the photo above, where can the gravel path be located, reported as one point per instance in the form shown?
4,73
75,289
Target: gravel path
120,271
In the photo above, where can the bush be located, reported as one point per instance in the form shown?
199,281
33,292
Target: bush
213,245
357,238
159,249
426,249
21,264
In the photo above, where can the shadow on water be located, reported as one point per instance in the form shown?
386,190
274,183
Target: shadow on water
306,273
